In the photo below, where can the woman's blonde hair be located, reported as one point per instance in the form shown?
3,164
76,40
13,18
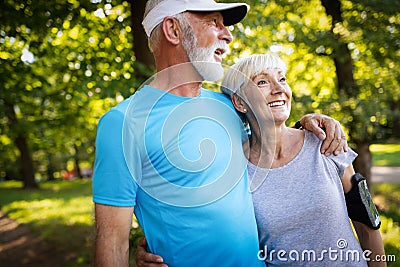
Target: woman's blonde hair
242,72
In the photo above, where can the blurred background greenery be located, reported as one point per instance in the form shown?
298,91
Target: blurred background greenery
65,62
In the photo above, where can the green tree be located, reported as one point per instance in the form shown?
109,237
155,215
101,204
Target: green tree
141,50
63,64
359,96
341,57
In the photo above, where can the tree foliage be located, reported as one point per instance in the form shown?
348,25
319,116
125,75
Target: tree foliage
65,62
341,63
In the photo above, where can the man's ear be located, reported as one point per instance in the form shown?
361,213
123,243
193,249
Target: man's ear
172,30
239,103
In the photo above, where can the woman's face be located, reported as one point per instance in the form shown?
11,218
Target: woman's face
269,95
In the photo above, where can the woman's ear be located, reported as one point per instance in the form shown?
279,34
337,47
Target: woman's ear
172,30
239,103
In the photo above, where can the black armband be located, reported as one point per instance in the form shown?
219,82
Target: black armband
360,206
298,125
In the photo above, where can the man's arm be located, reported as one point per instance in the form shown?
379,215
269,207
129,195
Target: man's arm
113,226
143,258
326,129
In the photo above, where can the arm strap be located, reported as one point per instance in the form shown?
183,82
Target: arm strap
360,206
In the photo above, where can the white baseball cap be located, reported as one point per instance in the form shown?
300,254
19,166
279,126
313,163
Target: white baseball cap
231,12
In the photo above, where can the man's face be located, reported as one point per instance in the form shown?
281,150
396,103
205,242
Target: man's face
206,40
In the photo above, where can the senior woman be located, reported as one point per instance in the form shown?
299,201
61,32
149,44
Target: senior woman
298,193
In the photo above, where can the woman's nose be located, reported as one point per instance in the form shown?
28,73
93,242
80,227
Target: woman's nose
278,88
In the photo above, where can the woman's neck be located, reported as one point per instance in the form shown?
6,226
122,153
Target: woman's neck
276,147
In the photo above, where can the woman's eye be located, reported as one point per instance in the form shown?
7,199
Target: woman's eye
261,82
283,79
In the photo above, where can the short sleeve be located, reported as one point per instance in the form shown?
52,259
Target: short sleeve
343,160
112,182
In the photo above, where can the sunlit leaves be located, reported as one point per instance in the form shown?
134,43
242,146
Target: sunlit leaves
300,33
57,58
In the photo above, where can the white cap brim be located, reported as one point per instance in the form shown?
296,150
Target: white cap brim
231,12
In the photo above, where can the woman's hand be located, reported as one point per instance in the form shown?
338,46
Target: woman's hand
147,259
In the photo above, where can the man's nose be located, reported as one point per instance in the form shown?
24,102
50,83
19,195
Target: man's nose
226,35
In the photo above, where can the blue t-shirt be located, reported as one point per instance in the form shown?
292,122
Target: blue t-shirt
179,162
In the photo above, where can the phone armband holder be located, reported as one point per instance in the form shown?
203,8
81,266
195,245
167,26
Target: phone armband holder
360,206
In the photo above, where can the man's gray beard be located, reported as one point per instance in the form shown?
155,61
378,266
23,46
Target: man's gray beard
208,70
203,58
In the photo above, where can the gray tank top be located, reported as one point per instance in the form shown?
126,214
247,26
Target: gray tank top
301,210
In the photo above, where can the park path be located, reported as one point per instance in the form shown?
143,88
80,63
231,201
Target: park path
20,248
386,175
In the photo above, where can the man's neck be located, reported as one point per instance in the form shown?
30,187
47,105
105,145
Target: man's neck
182,80
186,90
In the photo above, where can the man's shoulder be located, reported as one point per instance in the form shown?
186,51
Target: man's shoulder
216,95
117,112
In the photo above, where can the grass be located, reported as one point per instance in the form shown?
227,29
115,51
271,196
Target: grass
61,212
385,154
387,199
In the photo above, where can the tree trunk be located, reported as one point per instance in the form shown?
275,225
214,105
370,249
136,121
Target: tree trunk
347,85
50,169
363,162
341,54
344,70
76,159
140,47
27,170
26,167
394,106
